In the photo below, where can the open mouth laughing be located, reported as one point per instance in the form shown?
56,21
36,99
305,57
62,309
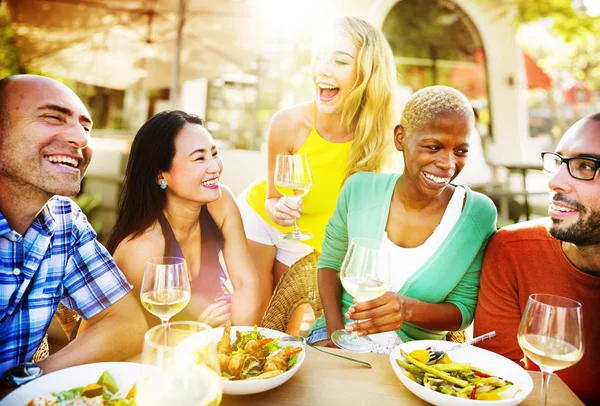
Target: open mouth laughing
64,161
559,210
436,179
327,92
211,183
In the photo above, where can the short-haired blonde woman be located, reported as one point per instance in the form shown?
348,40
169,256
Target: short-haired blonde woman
435,232
343,131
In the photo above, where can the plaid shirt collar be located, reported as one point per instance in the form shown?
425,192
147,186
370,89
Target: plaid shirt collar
43,223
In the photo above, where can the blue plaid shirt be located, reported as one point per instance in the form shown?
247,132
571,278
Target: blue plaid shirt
58,259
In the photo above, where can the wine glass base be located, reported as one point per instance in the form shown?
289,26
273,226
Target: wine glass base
347,341
297,236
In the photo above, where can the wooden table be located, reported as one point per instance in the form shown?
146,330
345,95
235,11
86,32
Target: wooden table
326,380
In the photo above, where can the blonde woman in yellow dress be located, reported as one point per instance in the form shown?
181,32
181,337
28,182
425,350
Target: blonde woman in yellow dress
343,131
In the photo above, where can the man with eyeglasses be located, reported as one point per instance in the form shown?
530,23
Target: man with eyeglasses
557,255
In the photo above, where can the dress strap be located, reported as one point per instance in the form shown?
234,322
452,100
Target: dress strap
172,248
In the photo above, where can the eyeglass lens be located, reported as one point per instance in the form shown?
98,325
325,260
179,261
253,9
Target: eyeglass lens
580,168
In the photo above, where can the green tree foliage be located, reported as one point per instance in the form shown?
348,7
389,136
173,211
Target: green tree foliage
569,18
9,63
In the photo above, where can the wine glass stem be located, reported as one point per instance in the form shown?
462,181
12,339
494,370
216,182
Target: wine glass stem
354,335
296,229
165,323
545,382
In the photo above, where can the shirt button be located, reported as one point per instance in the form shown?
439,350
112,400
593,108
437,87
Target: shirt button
12,238
409,283
16,271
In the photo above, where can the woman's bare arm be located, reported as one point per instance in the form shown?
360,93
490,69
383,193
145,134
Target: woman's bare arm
246,301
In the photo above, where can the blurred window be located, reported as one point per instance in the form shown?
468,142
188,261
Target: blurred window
435,43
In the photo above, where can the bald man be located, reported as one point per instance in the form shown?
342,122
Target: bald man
48,250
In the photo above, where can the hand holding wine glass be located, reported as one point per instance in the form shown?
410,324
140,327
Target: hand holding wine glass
293,180
551,334
365,274
165,289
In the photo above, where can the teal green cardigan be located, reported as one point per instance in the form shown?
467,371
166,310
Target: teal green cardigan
450,275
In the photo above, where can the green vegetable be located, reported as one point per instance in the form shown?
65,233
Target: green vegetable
273,346
68,394
108,382
292,361
434,371
453,367
407,367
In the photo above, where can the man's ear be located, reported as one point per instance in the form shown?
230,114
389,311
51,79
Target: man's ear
399,137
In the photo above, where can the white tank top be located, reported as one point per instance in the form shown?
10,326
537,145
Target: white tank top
413,258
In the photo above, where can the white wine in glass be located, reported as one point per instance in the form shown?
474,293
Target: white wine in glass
365,274
551,334
179,366
293,179
165,289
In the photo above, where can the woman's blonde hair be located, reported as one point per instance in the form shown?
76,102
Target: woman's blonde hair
370,108
426,104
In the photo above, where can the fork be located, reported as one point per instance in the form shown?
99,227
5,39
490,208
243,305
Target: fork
435,355
303,341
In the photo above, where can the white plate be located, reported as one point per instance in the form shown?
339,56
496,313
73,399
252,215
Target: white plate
124,373
255,386
478,357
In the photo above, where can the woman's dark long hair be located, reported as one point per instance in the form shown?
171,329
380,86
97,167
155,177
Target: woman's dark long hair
152,151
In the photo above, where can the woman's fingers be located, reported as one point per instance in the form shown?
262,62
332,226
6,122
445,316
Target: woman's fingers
286,210
373,303
389,302
220,321
223,309
292,203
209,309
375,326
214,310
386,313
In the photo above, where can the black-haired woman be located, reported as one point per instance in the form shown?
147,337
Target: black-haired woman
172,204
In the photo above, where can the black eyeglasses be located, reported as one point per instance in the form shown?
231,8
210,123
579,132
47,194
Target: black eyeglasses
579,168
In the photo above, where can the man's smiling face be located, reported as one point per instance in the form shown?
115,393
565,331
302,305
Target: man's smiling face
575,203
45,138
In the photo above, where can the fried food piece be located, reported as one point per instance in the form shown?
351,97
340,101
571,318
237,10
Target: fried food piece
255,347
279,361
236,365
224,345
224,362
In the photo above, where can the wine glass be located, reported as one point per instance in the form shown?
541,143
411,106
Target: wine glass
365,274
165,287
551,334
293,179
179,366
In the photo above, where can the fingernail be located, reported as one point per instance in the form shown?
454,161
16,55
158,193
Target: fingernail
347,315
349,328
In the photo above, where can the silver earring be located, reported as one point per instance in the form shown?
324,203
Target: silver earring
163,184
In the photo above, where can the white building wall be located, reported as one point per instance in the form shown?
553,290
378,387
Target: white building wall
505,73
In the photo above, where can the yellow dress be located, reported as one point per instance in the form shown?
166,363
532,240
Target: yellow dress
327,161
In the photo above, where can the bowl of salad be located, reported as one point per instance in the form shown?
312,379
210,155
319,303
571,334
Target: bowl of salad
255,359
98,384
465,376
